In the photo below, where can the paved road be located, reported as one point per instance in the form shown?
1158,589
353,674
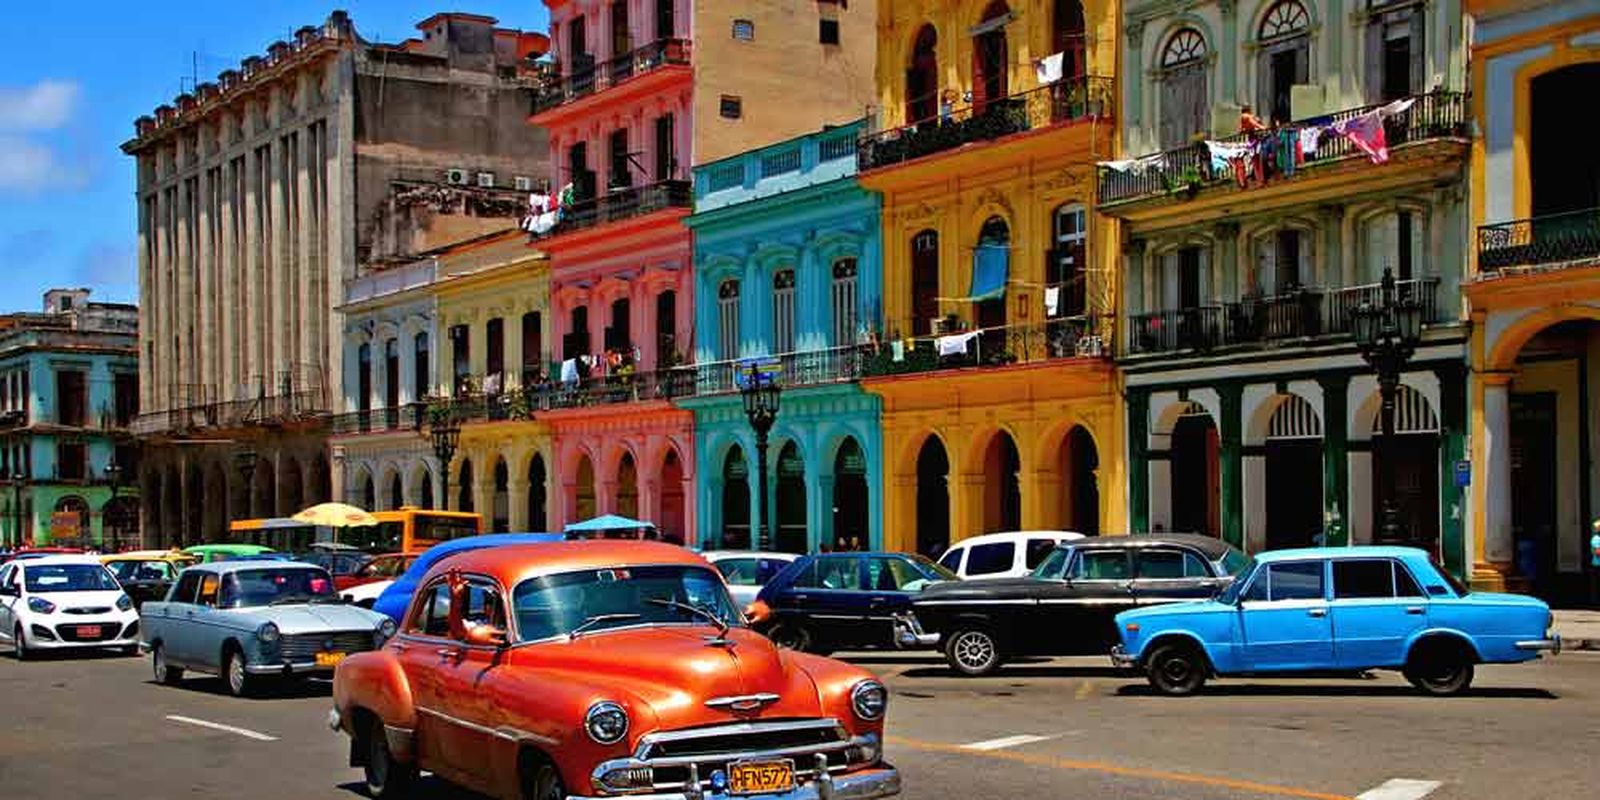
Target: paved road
97,727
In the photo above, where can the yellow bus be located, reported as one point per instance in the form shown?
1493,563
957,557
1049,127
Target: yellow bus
407,530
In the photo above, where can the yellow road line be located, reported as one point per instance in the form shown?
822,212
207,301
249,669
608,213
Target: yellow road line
1112,769
1085,689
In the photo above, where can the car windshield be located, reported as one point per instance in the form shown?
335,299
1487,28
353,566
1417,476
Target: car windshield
1054,565
932,569
1230,594
249,588
47,578
596,599
154,570
1234,563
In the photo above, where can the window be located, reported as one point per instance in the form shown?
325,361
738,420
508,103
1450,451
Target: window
664,19
619,176
1292,581
126,386
1283,59
1185,99
1394,241
72,461
952,559
184,590
483,605
844,301
1066,261
532,347
728,320
495,352
828,31
1038,551
744,30
732,106
1100,565
209,584
1066,37
423,383
1362,579
72,402
391,373
666,147
1404,584
1283,261
433,613
832,573
924,282
1170,565
621,36
887,574
740,571
783,292
1394,50
988,559
461,355
922,76
1181,286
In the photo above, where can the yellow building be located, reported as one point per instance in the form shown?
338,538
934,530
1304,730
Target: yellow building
1000,406
1534,295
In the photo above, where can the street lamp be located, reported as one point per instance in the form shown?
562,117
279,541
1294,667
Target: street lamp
18,481
760,393
111,516
1387,335
446,432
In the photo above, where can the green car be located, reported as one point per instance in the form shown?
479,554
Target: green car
210,553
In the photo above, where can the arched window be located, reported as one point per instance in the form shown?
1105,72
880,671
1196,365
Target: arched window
1284,59
1185,99
1067,37
990,56
991,268
728,320
783,294
422,383
922,76
924,281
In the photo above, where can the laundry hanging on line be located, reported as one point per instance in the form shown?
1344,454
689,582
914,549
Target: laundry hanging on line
954,345
1052,299
1049,69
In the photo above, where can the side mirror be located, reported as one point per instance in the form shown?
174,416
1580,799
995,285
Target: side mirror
486,636
9,591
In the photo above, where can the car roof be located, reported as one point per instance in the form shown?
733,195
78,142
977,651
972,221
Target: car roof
149,555
1213,547
717,555
1351,551
235,565
514,563
61,558
1013,536
227,548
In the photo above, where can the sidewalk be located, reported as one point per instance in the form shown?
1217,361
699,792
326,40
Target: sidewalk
1579,630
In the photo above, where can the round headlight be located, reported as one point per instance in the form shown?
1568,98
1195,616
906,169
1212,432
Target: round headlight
869,700
386,628
606,722
124,603
268,632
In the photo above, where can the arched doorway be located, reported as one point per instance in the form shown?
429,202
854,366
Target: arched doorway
216,516
464,486
933,498
367,495
789,508
170,514
500,517
397,496
1414,469
583,499
735,499
75,511
628,487
1294,475
538,513
1563,165
321,481
425,490
990,58
194,504
672,522
1002,487
989,309
291,488
850,499
922,76
1080,490
264,493
1196,480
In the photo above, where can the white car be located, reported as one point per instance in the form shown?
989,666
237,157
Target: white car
65,602
365,594
1012,554
746,571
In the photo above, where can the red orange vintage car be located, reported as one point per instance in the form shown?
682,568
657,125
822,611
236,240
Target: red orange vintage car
602,669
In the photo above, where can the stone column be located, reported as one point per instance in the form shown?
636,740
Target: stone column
1452,448
1133,58
1138,460
1232,462
1335,459
1498,547
205,343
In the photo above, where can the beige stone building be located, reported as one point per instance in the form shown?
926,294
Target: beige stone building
260,196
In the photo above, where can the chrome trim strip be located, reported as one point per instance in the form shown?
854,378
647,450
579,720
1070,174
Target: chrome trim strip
505,732
649,740
747,702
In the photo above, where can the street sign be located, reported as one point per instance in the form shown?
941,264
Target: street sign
1463,474
768,368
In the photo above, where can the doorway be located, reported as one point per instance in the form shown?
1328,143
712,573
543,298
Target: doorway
1533,488
850,496
789,529
735,500
1196,481
933,498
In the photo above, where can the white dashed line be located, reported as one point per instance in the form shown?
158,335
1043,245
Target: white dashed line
1400,789
1006,741
217,726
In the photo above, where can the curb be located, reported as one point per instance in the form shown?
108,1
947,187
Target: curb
1587,645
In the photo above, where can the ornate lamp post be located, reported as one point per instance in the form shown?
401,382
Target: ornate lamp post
1387,335
18,480
760,393
112,517
446,432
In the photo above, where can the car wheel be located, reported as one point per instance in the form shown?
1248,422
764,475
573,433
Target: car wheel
1440,670
1176,669
791,636
973,652
164,673
20,645
385,776
544,783
240,683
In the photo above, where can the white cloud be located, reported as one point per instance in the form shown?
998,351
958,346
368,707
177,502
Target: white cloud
43,106
25,165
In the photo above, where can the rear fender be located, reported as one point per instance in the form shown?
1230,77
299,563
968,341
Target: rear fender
374,682
1452,634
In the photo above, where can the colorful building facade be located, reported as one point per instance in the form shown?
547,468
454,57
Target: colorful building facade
1534,297
788,268
1000,403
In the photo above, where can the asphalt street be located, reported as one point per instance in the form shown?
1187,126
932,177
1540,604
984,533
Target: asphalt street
91,727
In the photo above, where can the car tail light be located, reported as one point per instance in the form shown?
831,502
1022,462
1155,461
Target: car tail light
758,612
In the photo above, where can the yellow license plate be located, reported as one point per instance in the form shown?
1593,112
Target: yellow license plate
760,777
329,659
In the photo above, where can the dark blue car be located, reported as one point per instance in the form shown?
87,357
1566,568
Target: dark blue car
397,598
843,601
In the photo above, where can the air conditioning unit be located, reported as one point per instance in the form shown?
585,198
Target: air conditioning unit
486,180
523,183
456,177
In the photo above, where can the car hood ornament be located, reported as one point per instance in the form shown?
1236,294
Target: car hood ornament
745,703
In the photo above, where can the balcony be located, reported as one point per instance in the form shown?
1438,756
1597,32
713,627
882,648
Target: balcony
1188,170
597,77
379,420
1294,316
1035,342
810,368
623,203
263,411
1540,244
1066,101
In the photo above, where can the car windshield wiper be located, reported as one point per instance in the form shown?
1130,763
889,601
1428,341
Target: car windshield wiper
709,616
596,620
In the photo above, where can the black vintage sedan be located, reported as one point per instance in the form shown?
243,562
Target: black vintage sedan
1066,607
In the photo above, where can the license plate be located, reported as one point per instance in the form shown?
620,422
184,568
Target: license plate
329,659
88,631
760,777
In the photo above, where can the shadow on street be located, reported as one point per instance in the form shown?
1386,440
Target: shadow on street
1325,690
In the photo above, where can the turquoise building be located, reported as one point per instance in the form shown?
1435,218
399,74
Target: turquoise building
69,391
787,266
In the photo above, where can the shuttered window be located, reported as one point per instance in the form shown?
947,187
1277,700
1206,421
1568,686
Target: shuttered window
728,320
844,302
1395,50
1185,107
1283,60
1394,241
1283,261
783,311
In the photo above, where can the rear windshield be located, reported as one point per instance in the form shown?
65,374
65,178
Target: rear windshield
249,588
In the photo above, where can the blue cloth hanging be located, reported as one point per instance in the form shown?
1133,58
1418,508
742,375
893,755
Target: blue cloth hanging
990,265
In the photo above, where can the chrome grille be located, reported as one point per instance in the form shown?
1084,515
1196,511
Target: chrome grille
711,749
87,610
306,646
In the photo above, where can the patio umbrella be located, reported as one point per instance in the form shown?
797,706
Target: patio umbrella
335,515
608,522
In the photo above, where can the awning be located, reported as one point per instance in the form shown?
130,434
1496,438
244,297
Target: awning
609,522
990,265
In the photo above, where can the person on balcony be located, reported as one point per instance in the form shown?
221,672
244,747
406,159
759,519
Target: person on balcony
947,106
1248,121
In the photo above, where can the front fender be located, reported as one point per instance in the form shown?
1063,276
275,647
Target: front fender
374,682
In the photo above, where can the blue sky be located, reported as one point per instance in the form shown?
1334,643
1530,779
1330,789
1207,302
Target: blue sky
71,85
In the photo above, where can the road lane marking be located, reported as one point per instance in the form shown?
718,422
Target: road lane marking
1112,769
1006,741
1085,689
217,726
1400,789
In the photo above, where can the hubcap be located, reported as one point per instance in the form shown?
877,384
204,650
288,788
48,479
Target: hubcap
236,673
160,662
1175,669
974,650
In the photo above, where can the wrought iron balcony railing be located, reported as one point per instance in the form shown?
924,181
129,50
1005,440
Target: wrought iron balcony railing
1070,99
268,410
1553,241
1432,116
999,346
1300,314
378,420
624,203
594,77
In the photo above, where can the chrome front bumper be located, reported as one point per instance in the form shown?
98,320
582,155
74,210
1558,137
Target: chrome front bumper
908,633
1121,659
867,784
291,668
1551,645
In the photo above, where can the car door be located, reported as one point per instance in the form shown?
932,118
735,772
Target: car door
8,617
172,621
829,598
1285,620
422,647
205,628
1076,615
885,580
1171,575
1376,608
468,742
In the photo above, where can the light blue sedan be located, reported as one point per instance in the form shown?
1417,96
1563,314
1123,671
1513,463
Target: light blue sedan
1344,609
250,620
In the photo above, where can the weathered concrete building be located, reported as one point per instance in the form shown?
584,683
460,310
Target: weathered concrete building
260,195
